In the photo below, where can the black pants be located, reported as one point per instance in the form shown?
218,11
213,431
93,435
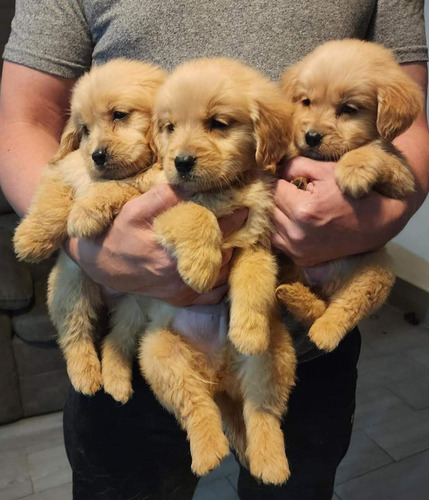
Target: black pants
137,451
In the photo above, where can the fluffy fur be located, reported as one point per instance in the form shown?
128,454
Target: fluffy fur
111,109
352,99
235,125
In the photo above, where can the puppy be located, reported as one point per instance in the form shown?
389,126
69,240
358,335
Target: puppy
352,99
220,129
104,160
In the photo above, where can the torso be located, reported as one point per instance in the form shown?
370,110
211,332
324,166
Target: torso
168,32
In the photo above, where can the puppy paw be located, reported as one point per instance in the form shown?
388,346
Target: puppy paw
200,269
353,178
86,221
270,469
250,334
86,378
266,454
208,453
192,234
117,382
33,246
326,334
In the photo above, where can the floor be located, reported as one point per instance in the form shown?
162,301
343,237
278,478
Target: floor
388,457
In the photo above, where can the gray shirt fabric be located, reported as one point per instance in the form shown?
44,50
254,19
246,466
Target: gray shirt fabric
64,37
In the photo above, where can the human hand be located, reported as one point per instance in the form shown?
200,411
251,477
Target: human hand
321,224
127,258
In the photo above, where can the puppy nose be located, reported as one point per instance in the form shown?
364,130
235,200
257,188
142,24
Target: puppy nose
313,138
184,164
99,157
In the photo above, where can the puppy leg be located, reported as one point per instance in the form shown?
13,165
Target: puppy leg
73,301
94,211
267,383
252,292
375,166
177,376
364,292
44,228
192,234
304,305
119,348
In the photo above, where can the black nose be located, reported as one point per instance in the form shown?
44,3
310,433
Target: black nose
99,157
184,164
313,138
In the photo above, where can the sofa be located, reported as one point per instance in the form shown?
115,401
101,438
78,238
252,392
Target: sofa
33,378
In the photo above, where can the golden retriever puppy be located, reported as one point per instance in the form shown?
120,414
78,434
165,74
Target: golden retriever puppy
104,160
352,99
220,129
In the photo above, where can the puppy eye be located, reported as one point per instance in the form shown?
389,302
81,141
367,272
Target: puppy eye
85,130
169,127
306,102
119,115
347,109
217,124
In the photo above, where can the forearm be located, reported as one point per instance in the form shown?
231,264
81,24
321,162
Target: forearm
414,143
33,113
26,148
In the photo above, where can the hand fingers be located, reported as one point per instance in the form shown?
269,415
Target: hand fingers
214,296
226,256
288,197
305,167
158,199
233,222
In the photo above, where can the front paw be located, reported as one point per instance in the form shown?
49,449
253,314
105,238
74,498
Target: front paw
353,178
31,244
199,269
86,221
325,334
250,334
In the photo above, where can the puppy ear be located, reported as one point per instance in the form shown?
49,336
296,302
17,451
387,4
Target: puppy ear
273,129
150,135
289,80
69,141
400,101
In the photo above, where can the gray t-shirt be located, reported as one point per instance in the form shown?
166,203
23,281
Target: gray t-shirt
65,37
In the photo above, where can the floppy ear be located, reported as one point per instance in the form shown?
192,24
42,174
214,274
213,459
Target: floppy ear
151,140
272,120
400,101
69,141
289,80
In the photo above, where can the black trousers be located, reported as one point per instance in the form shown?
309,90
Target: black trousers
137,451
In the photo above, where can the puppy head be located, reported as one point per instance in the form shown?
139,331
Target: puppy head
217,118
110,120
348,93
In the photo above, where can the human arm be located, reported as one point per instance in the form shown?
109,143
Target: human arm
322,224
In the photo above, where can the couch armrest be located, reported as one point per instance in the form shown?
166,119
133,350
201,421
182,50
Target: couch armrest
16,288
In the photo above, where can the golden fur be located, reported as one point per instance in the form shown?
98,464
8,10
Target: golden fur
235,125
111,109
352,99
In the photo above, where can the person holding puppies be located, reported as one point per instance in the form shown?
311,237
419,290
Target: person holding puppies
137,450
